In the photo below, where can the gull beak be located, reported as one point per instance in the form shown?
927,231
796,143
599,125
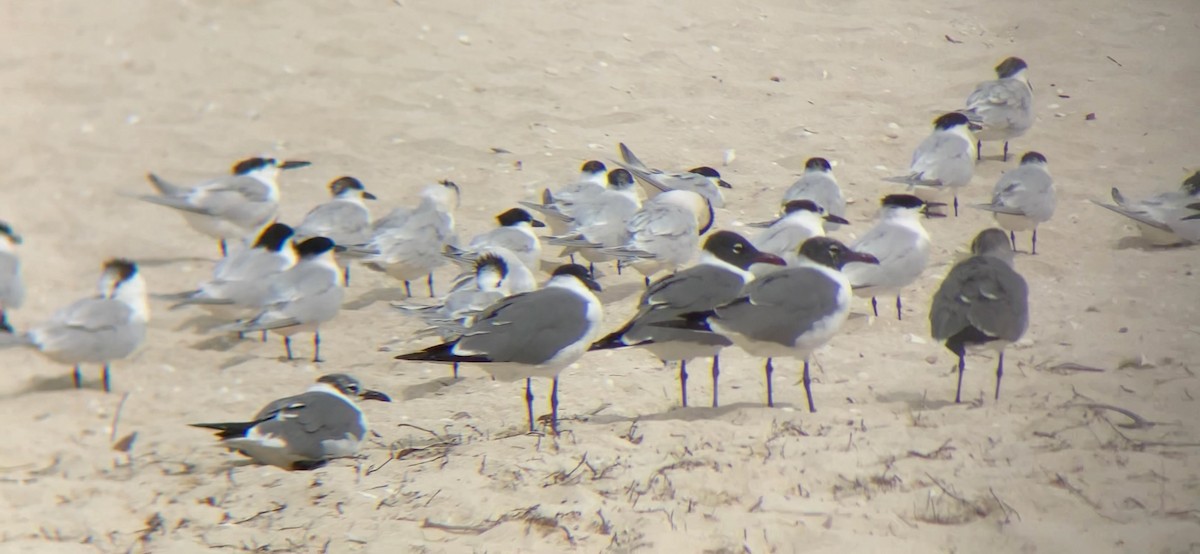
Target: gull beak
293,164
536,223
1193,216
724,184
861,257
767,258
374,395
1195,206
368,196
930,209
592,284
836,219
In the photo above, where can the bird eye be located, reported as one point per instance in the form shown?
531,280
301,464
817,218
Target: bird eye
737,248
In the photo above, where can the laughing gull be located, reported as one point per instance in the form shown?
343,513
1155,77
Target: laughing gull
232,207
703,180
901,246
1002,109
717,279
97,329
12,288
407,244
818,185
1166,218
665,233
344,219
982,303
1023,198
241,281
787,313
600,220
303,431
533,334
301,298
801,220
515,234
944,162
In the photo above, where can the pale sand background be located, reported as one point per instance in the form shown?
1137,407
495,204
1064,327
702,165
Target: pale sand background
400,94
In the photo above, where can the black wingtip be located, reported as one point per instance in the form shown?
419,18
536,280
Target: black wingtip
442,353
230,430
692,321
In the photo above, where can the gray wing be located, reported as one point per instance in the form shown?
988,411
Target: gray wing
984,293
821,189
781,306
696,289
528,328
1139,216
340,221
901,253
1003,104
604,220
942,158
782,238
1024,191
662,230
92,329
513,240
306,420
12,289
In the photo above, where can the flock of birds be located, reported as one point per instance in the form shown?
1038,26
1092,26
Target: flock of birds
782,293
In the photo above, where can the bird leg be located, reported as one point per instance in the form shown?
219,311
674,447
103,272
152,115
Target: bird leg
716,373
264,336
646,280
407,290
107,388
999,374
956,205
455,370
962,366
317,348
978,150
1034,251
346,277
4,326
899,316
1012,238
78,377
287,347
1005,158
529,402
769,369
808,388
554,407
224,250
874,307
683,381
431,286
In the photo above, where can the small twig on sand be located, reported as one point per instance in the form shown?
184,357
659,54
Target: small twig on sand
1061,481
1139,422
943,452
1110,58
117,417
278,508
1004,506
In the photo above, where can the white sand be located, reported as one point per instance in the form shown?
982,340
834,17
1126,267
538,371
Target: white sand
403,93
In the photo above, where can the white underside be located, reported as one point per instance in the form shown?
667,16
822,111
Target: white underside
1015,222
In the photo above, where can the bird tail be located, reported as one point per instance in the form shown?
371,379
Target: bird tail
442,353
627,155
231,430
162,186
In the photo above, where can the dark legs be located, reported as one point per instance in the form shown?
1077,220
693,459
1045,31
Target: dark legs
1012,238
108,388
716,373
529,402
962,366
4,326
874,307
554,407
317,347
808,388
647,281
1005,158
407,289
264,335
1034,250
224,250
683,381
999,374
346,276
955,205
430,281
978,150
78,377
456,370
287,347
899,316
769,369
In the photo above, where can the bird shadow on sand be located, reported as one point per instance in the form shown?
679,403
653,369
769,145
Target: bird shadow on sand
430,387
54,383
617,293
390,294
1139,243
160,262
691,413
915,401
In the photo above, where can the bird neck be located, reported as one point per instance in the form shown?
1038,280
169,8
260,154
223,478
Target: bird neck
132,293
708,258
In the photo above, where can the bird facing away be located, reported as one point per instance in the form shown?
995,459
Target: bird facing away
900,244
344,219
301,298
515,234
703,180
801,220
12,288
532,334
983,303
589,182
944,162
719,277
1023,198
818,185
1167,218
665,233
306,430
408,243
1002,109
232,207
96,330
787,313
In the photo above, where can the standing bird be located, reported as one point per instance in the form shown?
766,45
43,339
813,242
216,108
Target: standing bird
12,289
901,246
801,220
982,303
533,334
818,185
301,298
98,329
1023,198
408,244
303,431
344,219
514,234
590,182
719,277
598,220
242,280
703,180
665,233
1002,109
1166,218
944,162
232,207
787,313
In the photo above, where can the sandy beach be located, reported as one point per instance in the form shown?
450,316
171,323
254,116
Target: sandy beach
1093,446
